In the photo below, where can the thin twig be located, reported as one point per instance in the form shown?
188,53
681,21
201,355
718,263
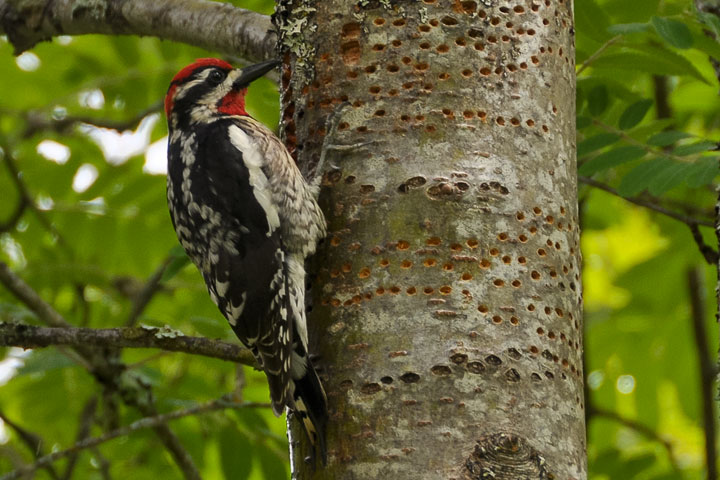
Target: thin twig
171,442
648,148
597,53
86,420
103,463
106,367
647,204
697,303
15,217
710,255
32,440
638,427
38,121
147,422
146,294
30,336
24,200
25,196
30,298
693,223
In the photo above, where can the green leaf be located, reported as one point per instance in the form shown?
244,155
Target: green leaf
591,20
654,61
634,114
236,453
272,465
669,176
127,49
704,43
703,171
611,158
598,100
638,179
41,361
711,20
626,28
673,32
175,266
582,122
694,148
664,139
596,142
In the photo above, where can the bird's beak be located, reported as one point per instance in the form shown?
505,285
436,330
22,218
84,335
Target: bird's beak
253,72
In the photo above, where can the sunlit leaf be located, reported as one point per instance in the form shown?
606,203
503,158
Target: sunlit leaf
653,61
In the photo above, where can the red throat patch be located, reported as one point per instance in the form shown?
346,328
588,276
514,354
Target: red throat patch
234,103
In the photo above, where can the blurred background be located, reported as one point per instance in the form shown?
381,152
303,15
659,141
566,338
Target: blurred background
85,223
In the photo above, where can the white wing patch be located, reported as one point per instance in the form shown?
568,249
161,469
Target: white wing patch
254,161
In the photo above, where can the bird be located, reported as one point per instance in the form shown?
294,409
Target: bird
247,219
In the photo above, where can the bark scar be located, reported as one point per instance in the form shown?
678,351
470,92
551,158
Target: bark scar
505,456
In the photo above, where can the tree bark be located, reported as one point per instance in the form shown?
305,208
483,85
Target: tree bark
447,298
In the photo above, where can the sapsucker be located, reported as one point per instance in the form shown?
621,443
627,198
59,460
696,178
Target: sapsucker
247,219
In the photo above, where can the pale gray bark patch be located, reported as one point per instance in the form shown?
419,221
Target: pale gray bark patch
447,297
212,25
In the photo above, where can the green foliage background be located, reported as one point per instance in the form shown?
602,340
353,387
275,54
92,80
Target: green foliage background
641,357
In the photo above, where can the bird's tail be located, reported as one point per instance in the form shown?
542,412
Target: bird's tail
311,407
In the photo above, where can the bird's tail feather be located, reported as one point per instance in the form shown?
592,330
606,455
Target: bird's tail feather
311,409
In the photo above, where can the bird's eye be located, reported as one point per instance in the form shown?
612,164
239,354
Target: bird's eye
216,77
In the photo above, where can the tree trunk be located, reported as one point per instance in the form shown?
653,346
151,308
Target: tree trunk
447,300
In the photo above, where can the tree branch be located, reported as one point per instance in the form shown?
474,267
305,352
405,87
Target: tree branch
710,255
147,422
697,303
207,24
40,121
107,368
29,336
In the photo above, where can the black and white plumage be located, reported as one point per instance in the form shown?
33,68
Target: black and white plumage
247,218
